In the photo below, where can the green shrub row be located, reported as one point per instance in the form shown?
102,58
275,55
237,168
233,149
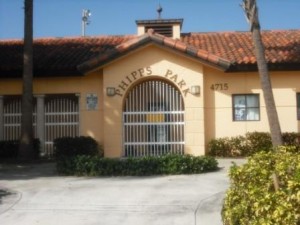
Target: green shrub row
249,144
168,164
10,149
72,146
252,198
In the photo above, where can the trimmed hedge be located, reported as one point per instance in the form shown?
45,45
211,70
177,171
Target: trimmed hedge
10,149
252,198
73,146
249,144
84,165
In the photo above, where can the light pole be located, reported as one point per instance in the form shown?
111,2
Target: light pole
86,13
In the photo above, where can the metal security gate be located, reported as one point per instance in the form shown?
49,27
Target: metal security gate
12,118
153,120
61,119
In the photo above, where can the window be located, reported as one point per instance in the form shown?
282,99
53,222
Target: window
246,107
298,106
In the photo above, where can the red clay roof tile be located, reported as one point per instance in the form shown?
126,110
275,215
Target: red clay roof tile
152,37
61,56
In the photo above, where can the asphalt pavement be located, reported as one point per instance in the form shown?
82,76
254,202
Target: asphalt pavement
34,194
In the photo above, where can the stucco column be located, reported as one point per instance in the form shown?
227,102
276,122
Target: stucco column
40,121
1,118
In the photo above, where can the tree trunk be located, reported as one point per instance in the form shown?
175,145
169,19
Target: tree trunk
26,140
267,88
252,16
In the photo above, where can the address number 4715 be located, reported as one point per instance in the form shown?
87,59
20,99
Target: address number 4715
219,87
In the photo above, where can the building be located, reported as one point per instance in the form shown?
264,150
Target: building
155,92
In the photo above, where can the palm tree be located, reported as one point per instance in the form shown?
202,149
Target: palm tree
26,140
251,12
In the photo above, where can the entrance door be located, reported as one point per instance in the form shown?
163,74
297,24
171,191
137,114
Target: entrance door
153,120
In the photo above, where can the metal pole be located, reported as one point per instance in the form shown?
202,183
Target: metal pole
83,23
86,13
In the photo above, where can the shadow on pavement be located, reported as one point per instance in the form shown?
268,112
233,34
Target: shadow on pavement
4,193
24,171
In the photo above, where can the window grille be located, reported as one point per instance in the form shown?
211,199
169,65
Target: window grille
153,120
61,119
12,117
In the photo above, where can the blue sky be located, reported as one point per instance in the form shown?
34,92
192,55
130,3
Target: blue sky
60,18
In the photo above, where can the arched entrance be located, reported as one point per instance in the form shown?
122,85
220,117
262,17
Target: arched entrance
153,120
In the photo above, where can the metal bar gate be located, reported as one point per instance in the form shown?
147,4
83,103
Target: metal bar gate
12,118
61,118
153,120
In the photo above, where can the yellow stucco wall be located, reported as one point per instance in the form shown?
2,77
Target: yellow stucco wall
218,103
153,62
90,121
207,115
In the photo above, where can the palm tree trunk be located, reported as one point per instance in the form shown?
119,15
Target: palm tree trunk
267,88
252,17
26,139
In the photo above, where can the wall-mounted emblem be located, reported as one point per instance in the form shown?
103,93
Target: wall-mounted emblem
91,101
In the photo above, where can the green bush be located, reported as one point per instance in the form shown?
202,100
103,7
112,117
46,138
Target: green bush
249,144
258,141
224,147
219,147
10,149
252,198
167,164
290,139
72,146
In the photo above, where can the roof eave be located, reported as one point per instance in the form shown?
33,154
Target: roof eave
271,67
38,73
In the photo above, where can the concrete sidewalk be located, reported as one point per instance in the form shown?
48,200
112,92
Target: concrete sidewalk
35,194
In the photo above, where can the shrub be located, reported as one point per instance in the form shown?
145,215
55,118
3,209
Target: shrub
252,143
290,139
72,146
10,149
258,141
228,147
150,165
219,147
252,198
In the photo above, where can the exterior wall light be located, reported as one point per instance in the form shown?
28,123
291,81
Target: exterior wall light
110,91
195,90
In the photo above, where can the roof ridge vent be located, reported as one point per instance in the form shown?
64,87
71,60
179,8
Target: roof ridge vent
167,27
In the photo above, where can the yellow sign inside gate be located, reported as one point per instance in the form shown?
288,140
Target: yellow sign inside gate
155,118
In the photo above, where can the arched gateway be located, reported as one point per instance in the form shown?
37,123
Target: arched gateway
153,120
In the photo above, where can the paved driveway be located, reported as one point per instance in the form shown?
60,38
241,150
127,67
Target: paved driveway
36,195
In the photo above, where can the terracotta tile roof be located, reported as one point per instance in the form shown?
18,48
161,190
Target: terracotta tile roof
151,37
230,51
281,47
55,56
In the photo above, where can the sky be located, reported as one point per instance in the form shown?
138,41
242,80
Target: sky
62,18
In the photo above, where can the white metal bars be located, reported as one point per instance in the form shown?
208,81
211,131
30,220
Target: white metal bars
153,120
12,118
61,119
